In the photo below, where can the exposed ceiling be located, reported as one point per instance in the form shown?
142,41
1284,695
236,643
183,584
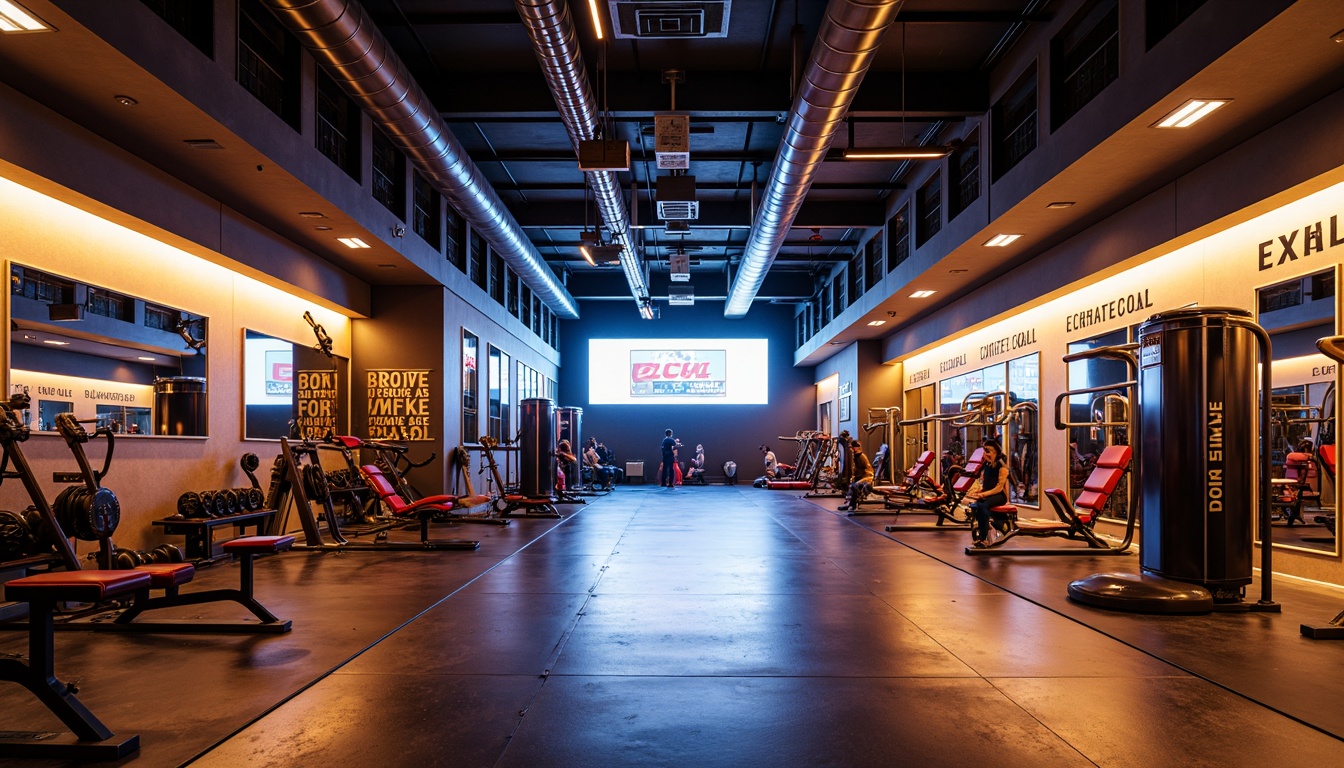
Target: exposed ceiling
476,62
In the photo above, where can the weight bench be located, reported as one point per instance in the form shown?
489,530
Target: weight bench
907,491
170,576
1294,489
425,509
948,501
90,740
1075,520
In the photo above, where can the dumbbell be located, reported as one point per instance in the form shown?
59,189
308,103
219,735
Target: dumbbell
167,553
190,505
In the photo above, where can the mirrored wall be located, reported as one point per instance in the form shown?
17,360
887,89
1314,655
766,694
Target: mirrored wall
133,366
292,390
1297,312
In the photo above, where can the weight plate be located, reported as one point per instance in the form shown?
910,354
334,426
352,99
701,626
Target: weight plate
189,505
258,499
221,504
62,508
125,560
103,513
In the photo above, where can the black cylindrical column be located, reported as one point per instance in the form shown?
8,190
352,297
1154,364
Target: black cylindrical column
180,406
1197,411
536,460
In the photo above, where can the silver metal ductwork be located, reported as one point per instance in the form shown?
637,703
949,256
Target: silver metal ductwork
345,41
551,27
846,43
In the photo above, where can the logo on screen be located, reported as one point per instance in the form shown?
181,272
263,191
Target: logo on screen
679,373
279,372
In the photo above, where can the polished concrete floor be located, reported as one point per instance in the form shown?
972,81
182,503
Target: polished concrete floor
711,626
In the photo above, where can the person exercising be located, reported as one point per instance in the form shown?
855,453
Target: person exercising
668,475
862,481
771,463
993,490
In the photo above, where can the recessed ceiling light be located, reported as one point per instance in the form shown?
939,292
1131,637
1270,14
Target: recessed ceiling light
957,271
125,101
1189,113
387,266
322,228
834,343
922,294
1061,204
877,322
202,143
146,357
1338,37
352,242
56,342
1000,240
312,214
16,18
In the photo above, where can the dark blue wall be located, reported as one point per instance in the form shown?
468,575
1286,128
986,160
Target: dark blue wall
733,432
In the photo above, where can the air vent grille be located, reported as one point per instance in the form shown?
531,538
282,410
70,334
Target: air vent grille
669,19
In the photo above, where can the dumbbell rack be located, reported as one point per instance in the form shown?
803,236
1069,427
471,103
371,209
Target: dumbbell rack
200,532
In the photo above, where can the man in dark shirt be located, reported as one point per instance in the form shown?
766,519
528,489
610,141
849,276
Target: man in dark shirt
669,460
862,481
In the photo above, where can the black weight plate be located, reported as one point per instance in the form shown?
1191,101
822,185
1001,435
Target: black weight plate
61,507
221,504
249,462
257,498
103,514
16,538
230,501
189,504
125,560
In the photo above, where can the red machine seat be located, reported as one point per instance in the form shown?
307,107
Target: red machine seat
75,586
258,545
347,441
168,575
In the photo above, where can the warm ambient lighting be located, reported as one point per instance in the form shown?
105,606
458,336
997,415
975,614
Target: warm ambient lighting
646,309
16,18
1190,113
144,357
1000,240
597,19
1061,204
896,153
922,294
353,242
57,343
587,255
877,322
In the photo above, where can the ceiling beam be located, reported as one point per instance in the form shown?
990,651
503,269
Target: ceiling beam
481,97
820,214
712,186
510,18
675,241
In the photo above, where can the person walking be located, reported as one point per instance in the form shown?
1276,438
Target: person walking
669,460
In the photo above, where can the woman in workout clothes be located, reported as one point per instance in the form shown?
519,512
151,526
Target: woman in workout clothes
993,490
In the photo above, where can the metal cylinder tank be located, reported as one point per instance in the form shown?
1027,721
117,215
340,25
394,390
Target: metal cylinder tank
180,406
1197,415
536,449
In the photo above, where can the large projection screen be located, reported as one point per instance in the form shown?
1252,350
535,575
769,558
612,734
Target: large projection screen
678,372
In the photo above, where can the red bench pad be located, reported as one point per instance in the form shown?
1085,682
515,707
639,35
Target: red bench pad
81,586
348,441
258,544
165,575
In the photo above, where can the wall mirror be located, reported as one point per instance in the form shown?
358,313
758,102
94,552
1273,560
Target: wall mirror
1296,312
292,390
135,366
1107,410
997,401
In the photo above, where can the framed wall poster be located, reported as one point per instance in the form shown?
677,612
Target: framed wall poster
845,414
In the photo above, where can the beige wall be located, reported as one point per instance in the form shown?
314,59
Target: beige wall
148,474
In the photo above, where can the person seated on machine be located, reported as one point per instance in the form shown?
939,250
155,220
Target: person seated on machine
771,463
993,490
695,472
601,474
564,456
861,482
